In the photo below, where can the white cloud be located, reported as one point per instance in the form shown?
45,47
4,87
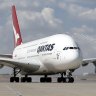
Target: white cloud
27,4
62,5
78,11
80,1
51,1
83,29
89,14
36,4
87,41
4,5
75,9
46,16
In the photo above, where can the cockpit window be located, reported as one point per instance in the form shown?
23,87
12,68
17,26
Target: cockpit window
66,48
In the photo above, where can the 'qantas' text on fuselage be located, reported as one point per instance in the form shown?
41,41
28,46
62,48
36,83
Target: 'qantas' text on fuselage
47,47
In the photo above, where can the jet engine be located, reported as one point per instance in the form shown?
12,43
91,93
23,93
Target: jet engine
1,66
95,66
85,64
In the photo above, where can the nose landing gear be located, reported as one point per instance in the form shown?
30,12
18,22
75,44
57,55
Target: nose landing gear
66,77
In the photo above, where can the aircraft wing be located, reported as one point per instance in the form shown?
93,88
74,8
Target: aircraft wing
87,61
23,65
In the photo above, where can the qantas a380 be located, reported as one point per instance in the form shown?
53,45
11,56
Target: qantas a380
51,55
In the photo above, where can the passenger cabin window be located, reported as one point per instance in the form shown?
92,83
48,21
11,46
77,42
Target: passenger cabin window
66,48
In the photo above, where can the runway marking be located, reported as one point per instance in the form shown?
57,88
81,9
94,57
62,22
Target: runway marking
14,90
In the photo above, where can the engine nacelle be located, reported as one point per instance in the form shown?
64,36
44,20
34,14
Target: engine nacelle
94,63
1,66
85,64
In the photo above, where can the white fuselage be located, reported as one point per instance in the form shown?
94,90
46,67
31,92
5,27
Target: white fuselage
54,54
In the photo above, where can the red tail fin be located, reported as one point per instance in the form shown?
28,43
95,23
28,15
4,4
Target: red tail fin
17,34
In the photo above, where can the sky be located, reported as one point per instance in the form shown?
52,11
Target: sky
42,18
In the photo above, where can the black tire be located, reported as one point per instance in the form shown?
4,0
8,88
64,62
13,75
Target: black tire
42,80
11,79
29,79
71,80
59,79
16,79
64,80
23,79
49,79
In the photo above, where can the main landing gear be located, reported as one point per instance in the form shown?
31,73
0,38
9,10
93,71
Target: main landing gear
23,79
45,79
66,77
14,78
26,79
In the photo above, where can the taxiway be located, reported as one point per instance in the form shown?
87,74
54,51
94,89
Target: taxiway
83,86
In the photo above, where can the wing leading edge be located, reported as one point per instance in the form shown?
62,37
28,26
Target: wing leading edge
87,61
6,55
24,66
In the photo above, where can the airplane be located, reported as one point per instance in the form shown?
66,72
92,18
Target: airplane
47,56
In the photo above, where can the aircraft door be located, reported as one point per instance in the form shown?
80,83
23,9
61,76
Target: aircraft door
58,55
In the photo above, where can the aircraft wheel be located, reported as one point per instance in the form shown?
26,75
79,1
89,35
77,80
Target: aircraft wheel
67,79
59,80
12,79
29,79
64,80
23,79
71,79
48,79
42,79
16,79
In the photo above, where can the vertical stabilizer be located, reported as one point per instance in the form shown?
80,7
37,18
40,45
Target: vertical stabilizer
16,29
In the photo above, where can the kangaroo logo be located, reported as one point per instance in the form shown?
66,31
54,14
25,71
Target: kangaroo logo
16,35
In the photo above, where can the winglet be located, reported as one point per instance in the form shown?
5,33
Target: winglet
16,29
